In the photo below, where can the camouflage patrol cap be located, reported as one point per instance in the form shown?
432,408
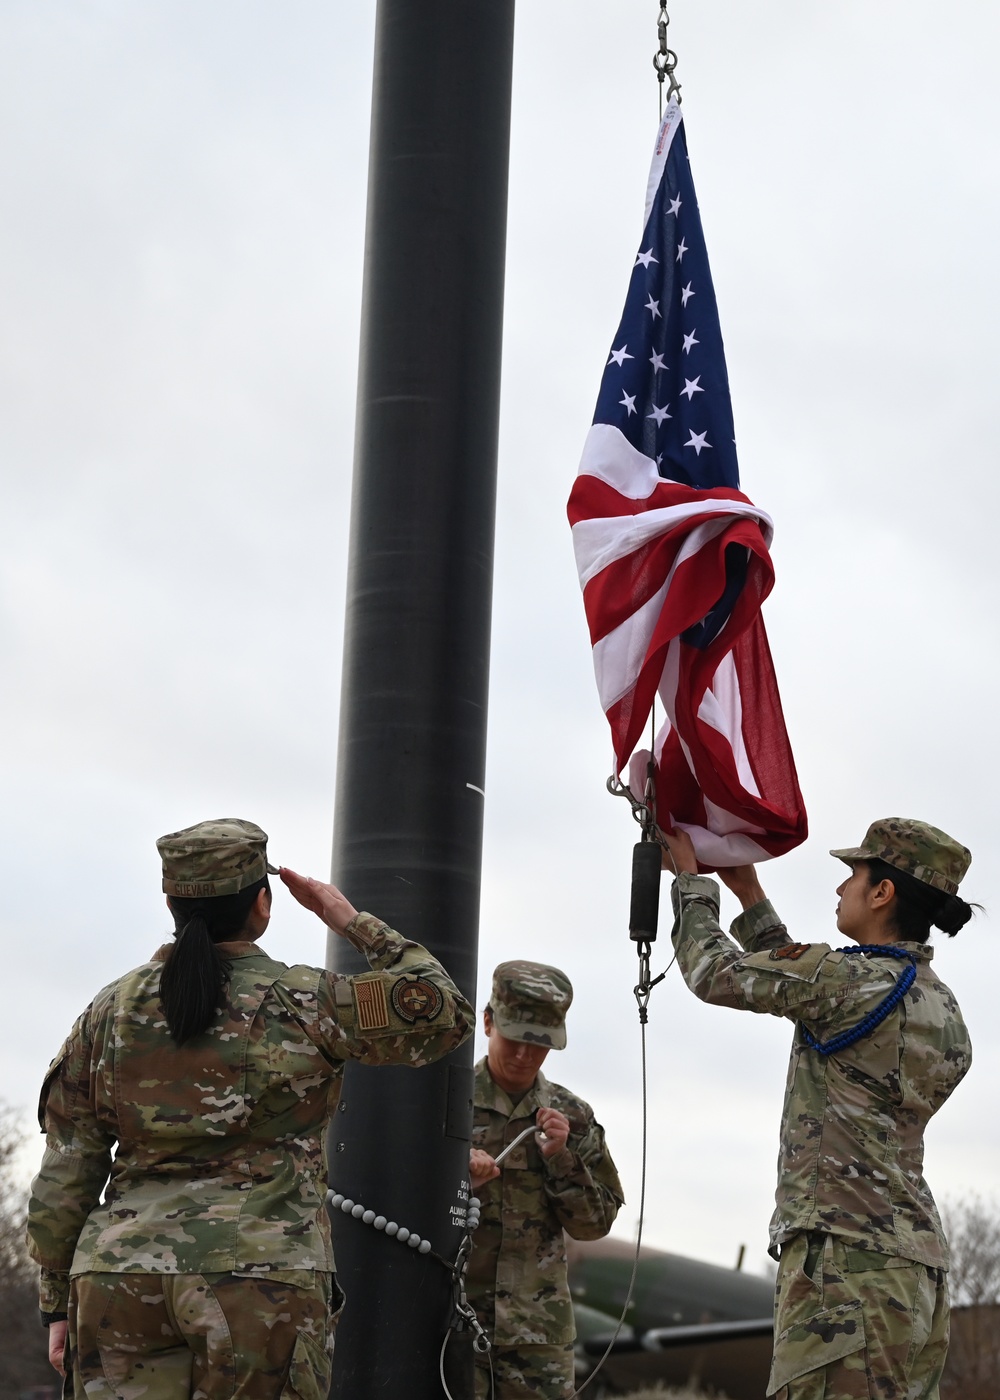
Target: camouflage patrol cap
924,851
213,858
530,1001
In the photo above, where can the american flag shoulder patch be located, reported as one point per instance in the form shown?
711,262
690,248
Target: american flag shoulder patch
371,1005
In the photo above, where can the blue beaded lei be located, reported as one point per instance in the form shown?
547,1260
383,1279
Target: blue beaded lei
874,1018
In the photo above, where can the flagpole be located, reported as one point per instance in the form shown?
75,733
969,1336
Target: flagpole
411,758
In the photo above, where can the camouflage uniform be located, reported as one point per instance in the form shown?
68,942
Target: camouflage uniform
213,1336
861,1306
216,1155
517,1278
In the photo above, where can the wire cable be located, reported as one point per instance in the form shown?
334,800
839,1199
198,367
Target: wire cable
642,1216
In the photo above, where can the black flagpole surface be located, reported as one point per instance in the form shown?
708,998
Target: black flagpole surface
411,759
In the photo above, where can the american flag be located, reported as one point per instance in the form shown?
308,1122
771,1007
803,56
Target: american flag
673,558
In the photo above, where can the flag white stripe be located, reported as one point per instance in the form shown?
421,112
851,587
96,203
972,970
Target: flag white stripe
608,455
601,540
619,655
729,849
722,708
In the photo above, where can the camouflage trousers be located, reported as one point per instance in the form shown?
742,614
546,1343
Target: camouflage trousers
850,1324
200,1337
546,1371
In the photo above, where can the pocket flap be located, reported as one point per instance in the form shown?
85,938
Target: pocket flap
800,961
309,1372
827,1336
43,1096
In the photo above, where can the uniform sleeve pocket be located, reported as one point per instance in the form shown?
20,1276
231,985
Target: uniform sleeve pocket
43,1096
309,1373
802,962
817,1341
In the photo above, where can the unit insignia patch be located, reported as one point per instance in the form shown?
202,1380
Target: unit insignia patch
415,999
789,950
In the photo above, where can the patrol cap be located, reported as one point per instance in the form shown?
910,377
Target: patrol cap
530,1001
213,858
923,851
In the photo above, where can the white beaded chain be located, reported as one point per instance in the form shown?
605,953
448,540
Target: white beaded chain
336,1200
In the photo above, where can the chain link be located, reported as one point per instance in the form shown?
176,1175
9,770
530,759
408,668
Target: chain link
665,60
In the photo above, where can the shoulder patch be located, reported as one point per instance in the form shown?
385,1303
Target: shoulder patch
370,1003
415,999
789,950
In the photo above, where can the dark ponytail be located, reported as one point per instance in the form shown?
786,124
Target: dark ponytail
195,975
918,906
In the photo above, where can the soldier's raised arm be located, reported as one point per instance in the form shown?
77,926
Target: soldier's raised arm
407,1010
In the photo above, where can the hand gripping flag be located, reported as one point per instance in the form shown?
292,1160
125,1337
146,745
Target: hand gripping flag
673,558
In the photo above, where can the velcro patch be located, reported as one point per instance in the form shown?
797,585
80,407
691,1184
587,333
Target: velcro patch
369,998
789,950
416,999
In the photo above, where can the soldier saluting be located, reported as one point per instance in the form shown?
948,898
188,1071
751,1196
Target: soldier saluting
861,1305
201,1083
562,1178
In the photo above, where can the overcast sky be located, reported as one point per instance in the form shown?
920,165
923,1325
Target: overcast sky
180,273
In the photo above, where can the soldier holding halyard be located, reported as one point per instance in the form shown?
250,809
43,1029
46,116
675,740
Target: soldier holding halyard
563,1178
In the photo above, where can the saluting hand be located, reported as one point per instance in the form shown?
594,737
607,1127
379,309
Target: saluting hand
325,901
482,1168
555,1126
